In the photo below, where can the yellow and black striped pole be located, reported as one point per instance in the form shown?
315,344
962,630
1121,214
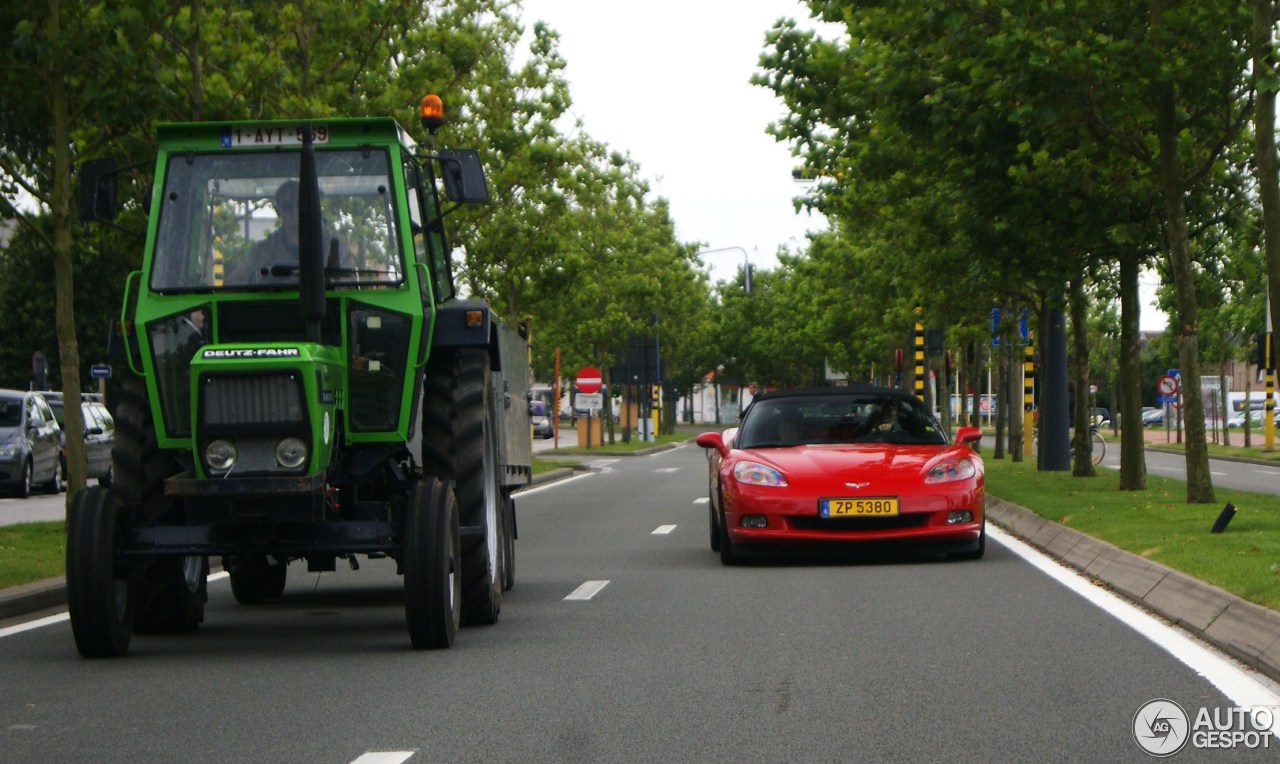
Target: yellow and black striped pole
919,350
1268,424
1028,395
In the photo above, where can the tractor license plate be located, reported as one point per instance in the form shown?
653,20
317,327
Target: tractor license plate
270,135
879,506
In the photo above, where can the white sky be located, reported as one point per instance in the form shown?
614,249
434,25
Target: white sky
668,82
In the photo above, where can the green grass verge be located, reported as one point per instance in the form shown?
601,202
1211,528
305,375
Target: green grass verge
1158,523
32,552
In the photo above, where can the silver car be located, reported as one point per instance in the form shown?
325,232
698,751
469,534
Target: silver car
542,424
30,443
99,435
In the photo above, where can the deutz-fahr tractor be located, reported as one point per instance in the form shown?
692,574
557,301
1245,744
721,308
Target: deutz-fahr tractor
302,383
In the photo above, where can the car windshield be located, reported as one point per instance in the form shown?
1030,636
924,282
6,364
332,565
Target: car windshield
230,221
10,412
538,408
853,418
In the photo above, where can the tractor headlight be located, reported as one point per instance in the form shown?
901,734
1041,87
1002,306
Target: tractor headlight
220,455
291,453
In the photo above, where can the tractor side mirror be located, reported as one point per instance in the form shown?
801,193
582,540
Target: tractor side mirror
463,175
98,190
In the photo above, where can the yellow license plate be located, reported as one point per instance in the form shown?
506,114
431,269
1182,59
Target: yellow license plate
881,506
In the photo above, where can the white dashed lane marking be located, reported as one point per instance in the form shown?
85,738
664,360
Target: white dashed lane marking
586,591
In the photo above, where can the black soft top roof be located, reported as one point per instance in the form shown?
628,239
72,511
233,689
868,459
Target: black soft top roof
843,391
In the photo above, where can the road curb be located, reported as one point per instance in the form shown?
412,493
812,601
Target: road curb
1246,631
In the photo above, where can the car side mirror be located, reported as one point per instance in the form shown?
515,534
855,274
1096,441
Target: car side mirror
968,435
713,440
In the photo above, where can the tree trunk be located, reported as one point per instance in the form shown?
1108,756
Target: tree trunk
1264,68
1199,482
1082,415
1133,461
64,285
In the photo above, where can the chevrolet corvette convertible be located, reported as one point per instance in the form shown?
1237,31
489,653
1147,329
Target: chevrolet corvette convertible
847,465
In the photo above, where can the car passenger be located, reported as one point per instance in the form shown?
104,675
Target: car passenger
789,430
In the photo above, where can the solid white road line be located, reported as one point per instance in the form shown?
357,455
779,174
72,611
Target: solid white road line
64,615
1242,685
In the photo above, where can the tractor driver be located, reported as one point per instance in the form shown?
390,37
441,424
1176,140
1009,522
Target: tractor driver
281,245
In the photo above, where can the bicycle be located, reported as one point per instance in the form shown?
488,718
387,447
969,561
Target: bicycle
1097,444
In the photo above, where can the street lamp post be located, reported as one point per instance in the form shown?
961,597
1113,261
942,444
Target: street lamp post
746,264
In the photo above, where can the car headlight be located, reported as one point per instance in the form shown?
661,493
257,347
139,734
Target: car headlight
291,453
752,473
8,450
220,455
959,468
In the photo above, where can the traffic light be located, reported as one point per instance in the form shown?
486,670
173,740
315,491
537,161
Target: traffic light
1261,357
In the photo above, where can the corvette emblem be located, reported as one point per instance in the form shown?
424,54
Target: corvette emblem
857,485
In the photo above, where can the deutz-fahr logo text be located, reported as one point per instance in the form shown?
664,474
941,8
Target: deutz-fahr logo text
252,353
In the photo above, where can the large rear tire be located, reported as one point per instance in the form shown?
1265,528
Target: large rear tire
432,565
171,591
100,596
476,483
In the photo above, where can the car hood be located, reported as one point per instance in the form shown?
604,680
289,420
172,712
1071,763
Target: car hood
854,462
8,434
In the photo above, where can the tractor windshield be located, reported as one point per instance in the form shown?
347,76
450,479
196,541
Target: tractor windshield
229,221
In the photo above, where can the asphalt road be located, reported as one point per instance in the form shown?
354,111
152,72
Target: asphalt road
625,640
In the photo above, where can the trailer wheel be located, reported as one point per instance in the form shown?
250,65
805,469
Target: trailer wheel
432,565
254,578
508,542
100,596
475,464
171,591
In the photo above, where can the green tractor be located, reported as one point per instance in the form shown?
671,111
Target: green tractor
302,384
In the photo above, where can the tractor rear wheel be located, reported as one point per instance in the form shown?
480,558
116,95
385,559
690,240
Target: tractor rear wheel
476,483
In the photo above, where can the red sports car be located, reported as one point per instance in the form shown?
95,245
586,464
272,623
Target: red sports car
844,464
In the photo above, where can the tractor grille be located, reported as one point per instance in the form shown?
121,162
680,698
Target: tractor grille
263,399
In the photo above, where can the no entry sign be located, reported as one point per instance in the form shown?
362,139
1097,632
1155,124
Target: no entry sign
589,380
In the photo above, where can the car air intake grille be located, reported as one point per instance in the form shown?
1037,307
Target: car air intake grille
259,399
812,523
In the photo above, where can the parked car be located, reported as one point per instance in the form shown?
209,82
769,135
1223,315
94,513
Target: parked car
99,435
30,441
1152,416
843,464
543,427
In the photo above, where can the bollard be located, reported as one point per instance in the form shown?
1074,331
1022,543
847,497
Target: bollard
1220,525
